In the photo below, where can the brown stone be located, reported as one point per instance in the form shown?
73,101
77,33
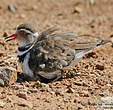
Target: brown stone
2,104
70,90
100,67
22,95
5,34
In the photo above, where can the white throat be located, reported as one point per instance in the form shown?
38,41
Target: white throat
20,53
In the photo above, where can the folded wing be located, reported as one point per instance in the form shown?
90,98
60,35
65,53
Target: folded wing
55,51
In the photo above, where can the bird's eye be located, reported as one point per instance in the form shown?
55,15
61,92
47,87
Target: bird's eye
22,33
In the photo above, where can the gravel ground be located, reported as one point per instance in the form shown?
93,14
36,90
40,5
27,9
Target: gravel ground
85,86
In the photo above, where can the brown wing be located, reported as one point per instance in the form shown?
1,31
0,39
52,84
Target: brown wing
56,51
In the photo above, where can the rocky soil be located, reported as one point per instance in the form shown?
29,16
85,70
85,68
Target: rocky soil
89,85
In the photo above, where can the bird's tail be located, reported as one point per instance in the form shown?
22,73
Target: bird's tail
80,55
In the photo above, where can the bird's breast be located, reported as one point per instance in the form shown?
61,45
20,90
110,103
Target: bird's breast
25,65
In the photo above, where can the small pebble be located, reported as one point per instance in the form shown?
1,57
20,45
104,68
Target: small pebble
52,92
101,94
78,83
10,93
5,34
34,7
77,95
70,90
60,93
36,84
9,99
16,87
35,108
11,8
33,90
77,10
25,90
2,104
44,87
60,13
109,85
22,95
22,16
78,74
100,67
86,93
1,83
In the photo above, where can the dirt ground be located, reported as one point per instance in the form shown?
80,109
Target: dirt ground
88,82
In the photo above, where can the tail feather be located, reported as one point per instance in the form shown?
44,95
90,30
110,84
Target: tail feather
83,52
80,55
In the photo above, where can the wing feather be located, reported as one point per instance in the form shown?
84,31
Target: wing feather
54,51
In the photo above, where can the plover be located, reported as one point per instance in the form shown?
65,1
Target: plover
43,55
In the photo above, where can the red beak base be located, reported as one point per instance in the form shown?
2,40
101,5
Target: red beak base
12,37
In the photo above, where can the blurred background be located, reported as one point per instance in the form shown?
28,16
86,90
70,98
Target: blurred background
79,16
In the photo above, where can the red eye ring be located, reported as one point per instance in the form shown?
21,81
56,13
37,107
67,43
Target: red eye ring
21,32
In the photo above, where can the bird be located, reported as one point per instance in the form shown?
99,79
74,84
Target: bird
44,55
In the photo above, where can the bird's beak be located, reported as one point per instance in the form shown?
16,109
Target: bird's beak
12,37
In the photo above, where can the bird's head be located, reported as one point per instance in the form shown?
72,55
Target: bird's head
25,33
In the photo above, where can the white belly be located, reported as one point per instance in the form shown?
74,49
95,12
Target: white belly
25,66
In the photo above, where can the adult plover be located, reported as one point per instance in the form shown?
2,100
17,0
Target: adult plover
43,56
